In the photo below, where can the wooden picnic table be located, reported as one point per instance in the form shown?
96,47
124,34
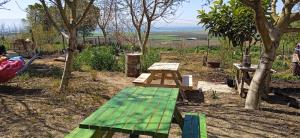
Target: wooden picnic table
243,82
137,111
165,71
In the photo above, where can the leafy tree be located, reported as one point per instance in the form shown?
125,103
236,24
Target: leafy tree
89,24
272,25
38,23
71,22
230,20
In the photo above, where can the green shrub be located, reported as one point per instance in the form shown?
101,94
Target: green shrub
150,58
285,76
280,65
120,63
98,58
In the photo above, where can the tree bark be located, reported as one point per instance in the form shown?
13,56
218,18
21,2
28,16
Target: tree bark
259,86
69,61
104,35
140,39
144,48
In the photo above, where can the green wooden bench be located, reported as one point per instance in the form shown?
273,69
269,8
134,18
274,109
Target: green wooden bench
194,126
88,133
81,133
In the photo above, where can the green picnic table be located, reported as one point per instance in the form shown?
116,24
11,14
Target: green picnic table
136,111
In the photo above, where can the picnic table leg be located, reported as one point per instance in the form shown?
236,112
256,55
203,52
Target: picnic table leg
178,118
237,79
179,76
103,134
150,79
242,90
162,82
134,136
178,83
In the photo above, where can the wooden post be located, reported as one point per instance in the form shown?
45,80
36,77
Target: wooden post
99,40
178,118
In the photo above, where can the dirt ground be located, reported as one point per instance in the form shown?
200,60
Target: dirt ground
31,106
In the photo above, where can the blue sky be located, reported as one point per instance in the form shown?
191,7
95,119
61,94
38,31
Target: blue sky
185,16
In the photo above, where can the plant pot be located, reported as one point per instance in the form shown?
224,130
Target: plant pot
214,64
230,82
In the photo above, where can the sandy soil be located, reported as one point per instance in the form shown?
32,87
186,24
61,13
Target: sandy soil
31,106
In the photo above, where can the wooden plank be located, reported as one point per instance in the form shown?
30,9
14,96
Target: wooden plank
157,102
81,133
121,105
169,111
195,126
140,111
186,132
164,66
162,82
142,78
203,131
157,115
97,114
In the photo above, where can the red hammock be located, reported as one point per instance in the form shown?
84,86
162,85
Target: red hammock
9,68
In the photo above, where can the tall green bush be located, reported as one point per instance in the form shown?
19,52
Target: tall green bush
150,58
98,58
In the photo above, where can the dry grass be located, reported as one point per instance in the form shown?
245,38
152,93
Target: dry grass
31,107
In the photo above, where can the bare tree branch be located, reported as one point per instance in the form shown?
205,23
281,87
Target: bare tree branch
2,3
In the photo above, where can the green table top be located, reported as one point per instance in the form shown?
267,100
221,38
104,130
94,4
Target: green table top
136,110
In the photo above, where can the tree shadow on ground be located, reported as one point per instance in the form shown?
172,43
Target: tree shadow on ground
15,90
43,70
282,100
194,97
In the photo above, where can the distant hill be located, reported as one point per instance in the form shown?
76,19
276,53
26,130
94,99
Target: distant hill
178,29
17,23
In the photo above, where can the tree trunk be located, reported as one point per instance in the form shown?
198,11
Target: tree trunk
69,61
144,44
83,37
259,86
104,35
140,39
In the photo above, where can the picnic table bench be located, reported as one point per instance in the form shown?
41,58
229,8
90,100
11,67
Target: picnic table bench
163,72
135,111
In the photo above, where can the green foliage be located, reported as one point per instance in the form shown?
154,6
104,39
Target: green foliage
281,65
285,76
89,24
231,20
98,58
150,58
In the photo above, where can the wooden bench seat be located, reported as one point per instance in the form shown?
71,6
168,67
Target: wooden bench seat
81,133
187,81
194,126
142,79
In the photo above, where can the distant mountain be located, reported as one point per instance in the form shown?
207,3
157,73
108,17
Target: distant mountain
178,29
18,24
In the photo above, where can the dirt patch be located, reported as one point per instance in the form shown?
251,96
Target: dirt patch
31,106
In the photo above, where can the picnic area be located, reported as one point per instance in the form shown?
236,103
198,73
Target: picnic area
149,69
